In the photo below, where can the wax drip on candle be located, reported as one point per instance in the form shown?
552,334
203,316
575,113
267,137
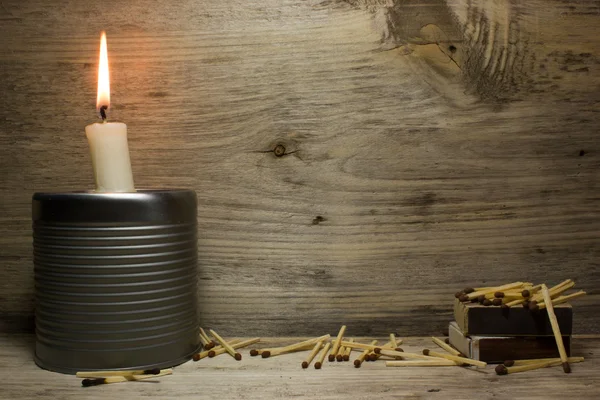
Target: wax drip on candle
103,112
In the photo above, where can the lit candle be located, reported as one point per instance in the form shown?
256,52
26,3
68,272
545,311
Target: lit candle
108,140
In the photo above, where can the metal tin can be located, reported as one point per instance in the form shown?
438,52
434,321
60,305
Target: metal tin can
115,279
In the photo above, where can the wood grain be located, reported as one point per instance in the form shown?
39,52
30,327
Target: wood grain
428,146
283,377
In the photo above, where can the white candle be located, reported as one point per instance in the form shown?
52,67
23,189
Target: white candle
108,140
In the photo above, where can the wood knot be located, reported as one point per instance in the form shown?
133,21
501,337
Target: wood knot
279,150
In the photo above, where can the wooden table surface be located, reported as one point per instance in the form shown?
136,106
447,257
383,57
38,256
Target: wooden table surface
283,377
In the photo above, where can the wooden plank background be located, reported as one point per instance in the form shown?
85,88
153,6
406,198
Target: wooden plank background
428,145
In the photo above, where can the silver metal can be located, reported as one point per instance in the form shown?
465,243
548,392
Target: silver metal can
115,279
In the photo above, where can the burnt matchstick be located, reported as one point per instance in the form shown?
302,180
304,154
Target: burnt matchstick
319,362
237,356
312,355
104,374
122,378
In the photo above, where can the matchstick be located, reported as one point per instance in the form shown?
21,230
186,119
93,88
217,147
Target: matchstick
340,354
118,379
266,353
211,353
510,363
363,355
457,359
562,299
393,341
226,346
206,341
421,363
336,344
347,351
313,353
508,286
554,290
104,374
319,362
364,346
503,370
446,347
556,329
394,353
237,345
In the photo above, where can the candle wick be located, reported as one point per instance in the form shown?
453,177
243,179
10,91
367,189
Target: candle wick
103,112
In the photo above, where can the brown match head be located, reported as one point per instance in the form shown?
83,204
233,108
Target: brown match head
501,370
377,350
525,293
253,352
534,308
212,353
509,363
331,358
499,295
196,357
357,363
497,302
339,358
447,341
504,306
469,290
464,298
458,294
481,298
266,354
425,352
92,382
237,356
487,302
474,300
317,365
399,349
207,346
304,364
346,357
526,304
566,367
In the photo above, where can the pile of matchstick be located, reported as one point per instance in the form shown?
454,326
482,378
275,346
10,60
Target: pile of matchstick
524,294
213,348
95,378
340,349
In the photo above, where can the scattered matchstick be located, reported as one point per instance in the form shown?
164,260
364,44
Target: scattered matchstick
237,345
462,360
347,351
226,346
421,363
309,343
336,344
394,353
105,374
510,363
313,353
339,357
206,342
363,355
556,329
504,370
319,362
364,346
118,379
207,353
446,347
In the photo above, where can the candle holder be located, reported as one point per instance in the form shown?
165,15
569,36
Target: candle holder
115,280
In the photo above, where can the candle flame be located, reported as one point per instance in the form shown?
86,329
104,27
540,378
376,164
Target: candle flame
103,98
